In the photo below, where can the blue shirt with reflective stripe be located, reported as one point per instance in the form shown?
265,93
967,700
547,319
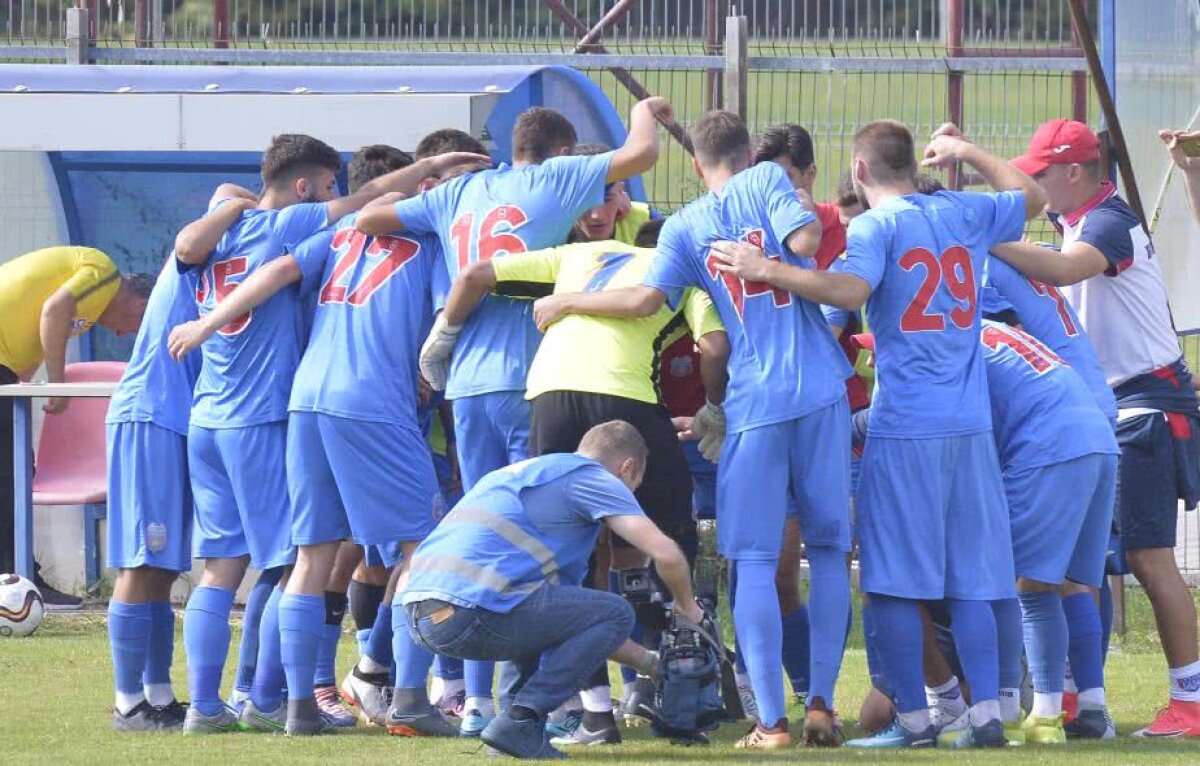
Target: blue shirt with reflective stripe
1046,315
155,388
1042,411
372,313
520,527
490,214
249,363
784,362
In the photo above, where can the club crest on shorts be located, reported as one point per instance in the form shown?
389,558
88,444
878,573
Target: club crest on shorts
156,536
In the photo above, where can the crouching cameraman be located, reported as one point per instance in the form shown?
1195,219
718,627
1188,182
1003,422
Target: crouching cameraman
500,578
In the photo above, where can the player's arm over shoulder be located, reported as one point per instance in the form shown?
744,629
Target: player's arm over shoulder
1105,246
532,274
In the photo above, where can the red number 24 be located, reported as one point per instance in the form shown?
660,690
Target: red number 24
954,269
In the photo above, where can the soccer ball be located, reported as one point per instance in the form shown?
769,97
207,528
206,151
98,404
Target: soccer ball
20,606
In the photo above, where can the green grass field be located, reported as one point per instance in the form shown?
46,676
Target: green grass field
55,697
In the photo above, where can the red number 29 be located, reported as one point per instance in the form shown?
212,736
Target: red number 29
954,270
216,279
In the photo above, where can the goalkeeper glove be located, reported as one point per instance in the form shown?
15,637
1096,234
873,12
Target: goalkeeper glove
437,351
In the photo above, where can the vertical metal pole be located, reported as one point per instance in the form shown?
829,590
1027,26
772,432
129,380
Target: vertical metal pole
954,80
23,476
141,22
1079,88
220,25
712,46
1108,60
735,65
78,39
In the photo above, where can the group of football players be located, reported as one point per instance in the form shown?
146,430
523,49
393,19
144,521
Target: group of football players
323,375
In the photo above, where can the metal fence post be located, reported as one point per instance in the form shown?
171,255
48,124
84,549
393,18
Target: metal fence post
78,40
952,28
736,56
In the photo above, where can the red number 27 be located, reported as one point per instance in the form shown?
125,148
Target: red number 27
954,270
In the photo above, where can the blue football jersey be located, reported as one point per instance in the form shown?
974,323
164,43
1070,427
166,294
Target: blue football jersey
249,363
923,257
490,214
154,388
372,314
1042,411
784,362
1046,315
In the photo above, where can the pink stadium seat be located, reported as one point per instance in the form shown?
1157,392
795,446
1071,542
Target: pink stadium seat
70,457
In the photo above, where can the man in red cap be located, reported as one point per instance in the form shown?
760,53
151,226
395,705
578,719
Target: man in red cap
1110,274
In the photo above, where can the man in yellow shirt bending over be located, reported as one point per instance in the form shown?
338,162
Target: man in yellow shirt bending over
47,297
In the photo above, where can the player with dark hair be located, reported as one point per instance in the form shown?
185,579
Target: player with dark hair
786,391
1108,270
371,162
448,140
930,516
237,434
527,206
500,578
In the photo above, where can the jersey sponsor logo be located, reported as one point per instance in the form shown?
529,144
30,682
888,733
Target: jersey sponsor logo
382,257
951,270
741,289
216,282
496,235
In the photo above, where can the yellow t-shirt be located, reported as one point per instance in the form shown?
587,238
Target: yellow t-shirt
27,282
602,355
627,228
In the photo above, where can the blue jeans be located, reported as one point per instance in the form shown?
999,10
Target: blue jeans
555,639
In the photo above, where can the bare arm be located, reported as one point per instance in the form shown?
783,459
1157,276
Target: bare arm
669,561
750,263
256,290
196,241
383,219
469,291
805,241
949,146
714,364
640,150
1173,140
55,330
1077,262
640,301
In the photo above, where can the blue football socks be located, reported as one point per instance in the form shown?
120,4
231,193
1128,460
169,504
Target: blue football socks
301,626
206,636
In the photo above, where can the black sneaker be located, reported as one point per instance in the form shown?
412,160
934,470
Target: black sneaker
143,718
54,599
173,713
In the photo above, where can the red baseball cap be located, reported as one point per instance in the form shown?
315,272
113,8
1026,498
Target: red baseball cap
864,340
1058,142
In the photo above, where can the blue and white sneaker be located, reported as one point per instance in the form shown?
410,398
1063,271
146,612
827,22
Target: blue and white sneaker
473,722
236,700
896,736
566,727
991,734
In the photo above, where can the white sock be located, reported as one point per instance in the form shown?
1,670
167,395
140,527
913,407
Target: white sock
1010,705
982,712
597,699
436,689
1092,699
368,665
1185,683
159,695
453,687
1046,704
126,702
916,721
483,705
